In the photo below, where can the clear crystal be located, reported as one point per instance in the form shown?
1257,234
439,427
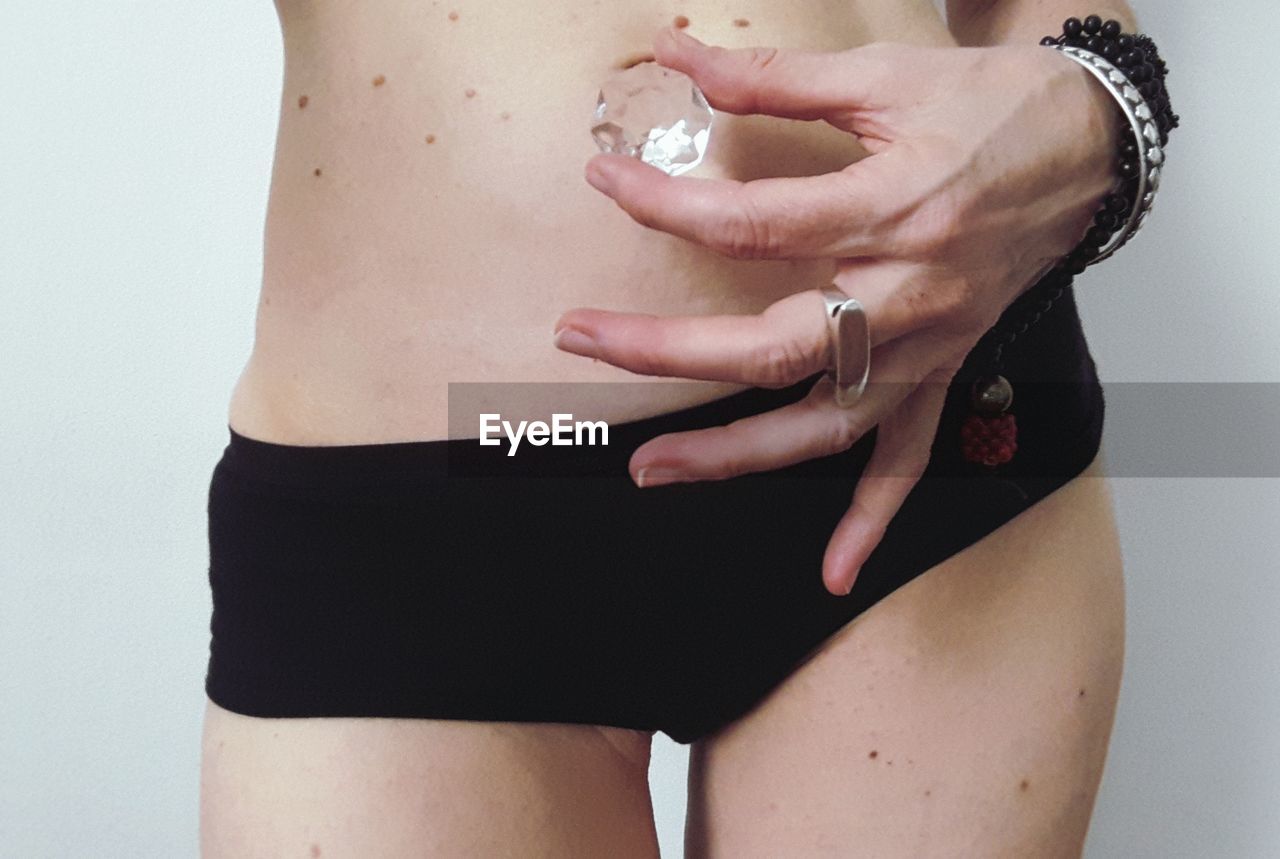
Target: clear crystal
655,114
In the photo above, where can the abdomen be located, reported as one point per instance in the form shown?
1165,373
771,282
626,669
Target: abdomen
429,221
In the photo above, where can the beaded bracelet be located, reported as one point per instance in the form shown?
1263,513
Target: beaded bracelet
1143,166
1131,69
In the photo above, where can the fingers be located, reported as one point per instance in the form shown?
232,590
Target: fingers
812,427
902,296
840,214
778,347
782,345
904,441
832,215
785,343
787,83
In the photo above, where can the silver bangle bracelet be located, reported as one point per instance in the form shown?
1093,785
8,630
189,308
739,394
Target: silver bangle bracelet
1141,120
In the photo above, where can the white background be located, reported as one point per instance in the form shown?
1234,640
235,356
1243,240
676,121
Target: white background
135,148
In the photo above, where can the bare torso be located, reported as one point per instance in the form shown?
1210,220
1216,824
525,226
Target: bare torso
429,221
403,265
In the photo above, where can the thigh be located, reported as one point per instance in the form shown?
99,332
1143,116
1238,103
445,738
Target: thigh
337,787
967,714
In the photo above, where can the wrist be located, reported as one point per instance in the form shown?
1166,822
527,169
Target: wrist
1021,22
1090,115
1130,68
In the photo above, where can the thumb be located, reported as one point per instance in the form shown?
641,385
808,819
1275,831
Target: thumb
774,81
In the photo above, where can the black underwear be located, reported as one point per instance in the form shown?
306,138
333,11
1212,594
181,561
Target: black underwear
372,580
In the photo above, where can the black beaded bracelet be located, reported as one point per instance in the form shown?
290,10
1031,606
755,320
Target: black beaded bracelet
988,436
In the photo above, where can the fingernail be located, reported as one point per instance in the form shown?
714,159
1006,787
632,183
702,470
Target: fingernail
680,36
849,589
572,340
647,477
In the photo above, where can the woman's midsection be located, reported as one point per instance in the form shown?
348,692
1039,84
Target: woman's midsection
429,220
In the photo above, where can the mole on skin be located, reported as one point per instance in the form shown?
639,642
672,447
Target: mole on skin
302,101
317,171
873,754
431,138
453,16
1024,784
470,93
741,22
379,80
681,22
315,850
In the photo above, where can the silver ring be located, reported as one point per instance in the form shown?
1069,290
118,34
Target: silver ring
850,335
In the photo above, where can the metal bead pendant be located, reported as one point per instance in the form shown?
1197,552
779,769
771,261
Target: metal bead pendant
991,395
989,435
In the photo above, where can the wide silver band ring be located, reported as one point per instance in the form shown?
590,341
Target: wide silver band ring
850,335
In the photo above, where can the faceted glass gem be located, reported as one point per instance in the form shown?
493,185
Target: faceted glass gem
655,114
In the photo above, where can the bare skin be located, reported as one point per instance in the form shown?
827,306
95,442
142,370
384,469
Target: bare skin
404,251
967,714
407,264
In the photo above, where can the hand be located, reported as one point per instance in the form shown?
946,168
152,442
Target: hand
985,167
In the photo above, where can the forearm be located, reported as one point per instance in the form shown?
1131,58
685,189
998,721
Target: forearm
998,22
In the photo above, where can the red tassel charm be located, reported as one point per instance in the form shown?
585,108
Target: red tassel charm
989,435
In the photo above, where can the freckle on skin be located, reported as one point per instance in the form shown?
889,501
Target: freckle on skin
681,22
1081,695
453,16
505,115
470,93
1024,784
317,171
928,793
302,101
379,80
315,850
741,22
873,754
431,138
